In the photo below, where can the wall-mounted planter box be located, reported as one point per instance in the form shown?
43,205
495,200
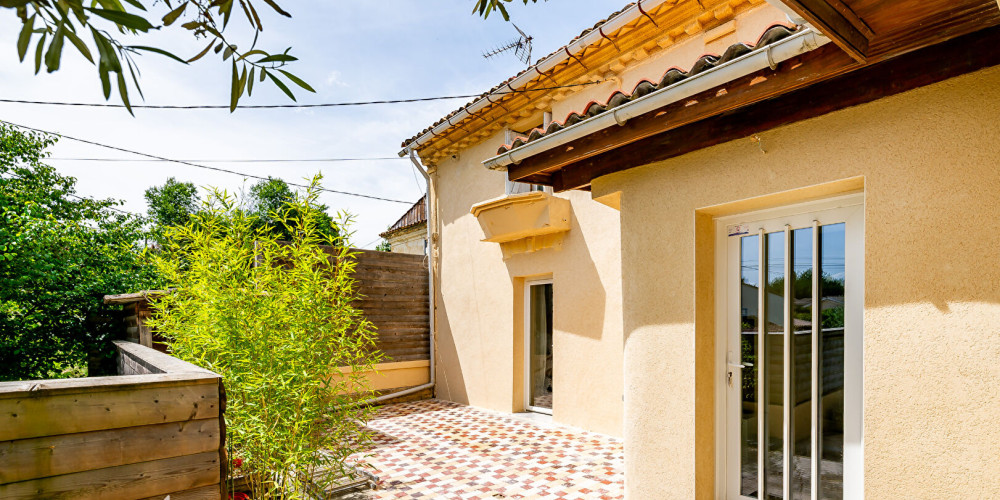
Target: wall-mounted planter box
524,222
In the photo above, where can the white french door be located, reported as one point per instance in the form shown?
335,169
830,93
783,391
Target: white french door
791,351
538,346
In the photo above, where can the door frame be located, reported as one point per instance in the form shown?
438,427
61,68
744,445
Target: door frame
527,345
847,208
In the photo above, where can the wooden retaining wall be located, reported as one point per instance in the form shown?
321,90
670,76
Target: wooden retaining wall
155,430
394,286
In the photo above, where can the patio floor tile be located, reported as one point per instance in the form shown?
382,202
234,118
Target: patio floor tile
439,449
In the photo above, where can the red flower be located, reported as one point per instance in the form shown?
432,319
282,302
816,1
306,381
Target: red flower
237,462
239,496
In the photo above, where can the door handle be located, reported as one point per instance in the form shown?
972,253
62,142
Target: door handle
732,366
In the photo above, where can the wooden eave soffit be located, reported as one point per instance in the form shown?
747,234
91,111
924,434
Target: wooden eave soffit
905,28
838,22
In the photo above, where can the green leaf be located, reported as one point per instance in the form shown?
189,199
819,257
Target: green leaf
105,82
25,38
158,51
130,21
54,54
202,53
123,92
253,52
234,96
243,80
82,47
174,14
38,53
250,81
277,8
282,86
226,9
136,4
298,81
277,58
263,73
228,52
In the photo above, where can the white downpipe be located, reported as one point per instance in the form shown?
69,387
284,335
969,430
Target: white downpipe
769,56
430,286
543,66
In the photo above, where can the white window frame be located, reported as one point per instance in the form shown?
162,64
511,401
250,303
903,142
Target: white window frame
848,209
527,346
515,187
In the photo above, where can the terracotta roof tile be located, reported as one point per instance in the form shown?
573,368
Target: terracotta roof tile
672,76
417,214
530,68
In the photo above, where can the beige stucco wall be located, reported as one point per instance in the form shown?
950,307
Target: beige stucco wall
480,296
930,161
480,300
409,240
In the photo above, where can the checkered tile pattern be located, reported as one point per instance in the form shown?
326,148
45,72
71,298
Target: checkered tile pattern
438,449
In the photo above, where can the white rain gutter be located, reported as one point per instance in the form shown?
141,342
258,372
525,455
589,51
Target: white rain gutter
769,56
543,66
430,286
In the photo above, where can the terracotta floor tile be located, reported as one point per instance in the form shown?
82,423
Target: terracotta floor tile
473,454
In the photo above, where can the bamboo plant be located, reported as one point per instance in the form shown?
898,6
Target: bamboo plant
276,320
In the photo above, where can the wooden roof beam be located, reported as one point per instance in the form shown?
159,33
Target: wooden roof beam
838,22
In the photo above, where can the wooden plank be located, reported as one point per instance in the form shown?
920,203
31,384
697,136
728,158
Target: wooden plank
141,480
35,388
212,492
68,453
839,25
162,361
43,415
398,318
377,291
821,64
953,58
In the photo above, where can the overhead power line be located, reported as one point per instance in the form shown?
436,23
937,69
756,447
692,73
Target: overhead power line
242,160
196,165
287,106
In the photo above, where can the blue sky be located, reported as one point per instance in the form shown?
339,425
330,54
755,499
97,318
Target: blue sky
348,51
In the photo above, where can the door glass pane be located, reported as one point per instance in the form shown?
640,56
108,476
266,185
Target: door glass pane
831,380
801,422
774,312
749,285
540,352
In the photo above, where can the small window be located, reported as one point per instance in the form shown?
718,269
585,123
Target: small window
514,187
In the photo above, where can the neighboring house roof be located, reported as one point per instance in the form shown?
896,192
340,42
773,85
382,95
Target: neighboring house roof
416,215
645,87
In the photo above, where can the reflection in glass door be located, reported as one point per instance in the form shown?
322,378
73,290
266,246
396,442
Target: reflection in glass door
538,346
793,357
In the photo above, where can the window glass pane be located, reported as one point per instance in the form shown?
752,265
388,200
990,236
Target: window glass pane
774,312
801,423
749,283
831,380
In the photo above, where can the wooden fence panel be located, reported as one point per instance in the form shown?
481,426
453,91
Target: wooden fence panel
394,289
154,431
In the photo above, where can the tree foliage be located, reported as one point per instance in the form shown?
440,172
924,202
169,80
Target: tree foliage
275,320
59,254
171,204
98,26
485,7
176,203
270,199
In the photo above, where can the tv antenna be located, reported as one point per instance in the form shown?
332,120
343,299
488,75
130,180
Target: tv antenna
521,47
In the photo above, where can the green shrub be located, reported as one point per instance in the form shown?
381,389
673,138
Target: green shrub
275,320
60,253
